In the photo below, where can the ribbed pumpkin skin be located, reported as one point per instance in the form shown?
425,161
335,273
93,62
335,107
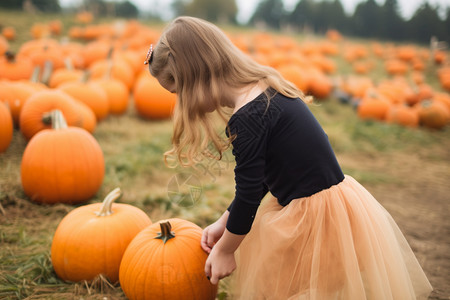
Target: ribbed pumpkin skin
86,245
44,102
151,100
6,127
62,166
152,270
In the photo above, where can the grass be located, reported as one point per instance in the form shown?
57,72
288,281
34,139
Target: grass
133,149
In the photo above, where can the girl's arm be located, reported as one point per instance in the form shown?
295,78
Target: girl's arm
221,262
212,233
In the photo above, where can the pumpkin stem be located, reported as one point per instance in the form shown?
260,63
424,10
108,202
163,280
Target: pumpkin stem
106,208
35,74
47,72
165,233
10,57
56,119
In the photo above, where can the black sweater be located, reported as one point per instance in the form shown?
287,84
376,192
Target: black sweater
279,148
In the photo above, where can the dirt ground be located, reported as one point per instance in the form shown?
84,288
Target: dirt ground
419,201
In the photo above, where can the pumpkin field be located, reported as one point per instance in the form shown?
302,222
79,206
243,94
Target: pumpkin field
82,121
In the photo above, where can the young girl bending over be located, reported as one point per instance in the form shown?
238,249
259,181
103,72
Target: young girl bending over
320,235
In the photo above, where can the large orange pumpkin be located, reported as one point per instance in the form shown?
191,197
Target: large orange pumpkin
151,100
6,127
16,94
35,112
62,164
91,239
165,261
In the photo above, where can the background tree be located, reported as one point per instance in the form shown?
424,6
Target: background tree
42,5
222,11
270,12
392,26
303,14
426,23
367,19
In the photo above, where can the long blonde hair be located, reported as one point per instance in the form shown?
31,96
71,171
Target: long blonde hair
204,66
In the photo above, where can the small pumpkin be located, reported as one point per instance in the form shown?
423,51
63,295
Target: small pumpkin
373,106
403,115
91,239
151,100
166,261
62,164
6,127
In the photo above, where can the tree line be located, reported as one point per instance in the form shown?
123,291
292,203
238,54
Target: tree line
369,20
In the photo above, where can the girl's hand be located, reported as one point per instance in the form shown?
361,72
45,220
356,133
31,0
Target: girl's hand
211,235
219,264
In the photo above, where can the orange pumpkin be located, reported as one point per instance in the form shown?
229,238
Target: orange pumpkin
35,113
90,94
91,239
296,75
16,94
151,100
165,261
6,127
117,94
15,69
373,106
9,33
433,114
62,165
402,115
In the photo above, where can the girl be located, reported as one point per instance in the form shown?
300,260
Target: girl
321,235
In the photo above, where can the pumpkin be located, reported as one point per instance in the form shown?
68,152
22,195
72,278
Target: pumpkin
296,75
166,261
16,94
15,69
151,100
9,33
62,165
61,76
402,115
90,94
117,94
373,106
6,127
433,114
91,239
35,112
115,68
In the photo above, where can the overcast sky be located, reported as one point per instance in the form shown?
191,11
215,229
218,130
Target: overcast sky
247,7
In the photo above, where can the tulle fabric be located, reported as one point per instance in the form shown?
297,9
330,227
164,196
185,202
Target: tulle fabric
337,244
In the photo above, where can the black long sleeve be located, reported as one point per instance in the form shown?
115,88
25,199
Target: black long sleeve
278,147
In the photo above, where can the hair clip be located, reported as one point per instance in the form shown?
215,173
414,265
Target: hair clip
149,57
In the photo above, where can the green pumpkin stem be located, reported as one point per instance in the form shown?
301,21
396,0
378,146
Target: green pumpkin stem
165,233
106,208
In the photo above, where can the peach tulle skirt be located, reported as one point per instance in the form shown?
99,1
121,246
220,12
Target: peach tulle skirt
337,244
